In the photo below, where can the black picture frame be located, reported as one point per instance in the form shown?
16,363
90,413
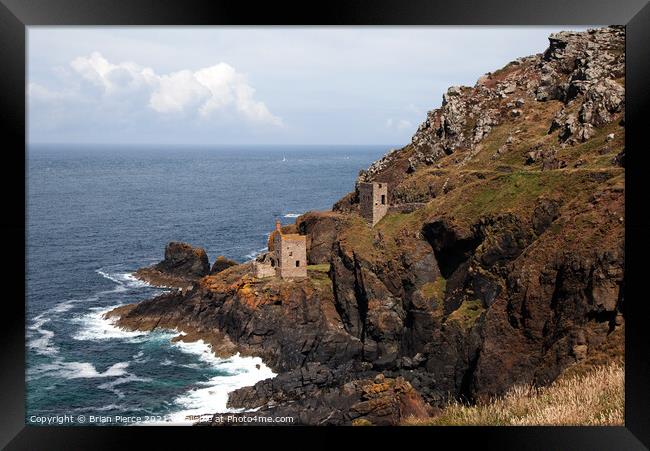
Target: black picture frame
16,15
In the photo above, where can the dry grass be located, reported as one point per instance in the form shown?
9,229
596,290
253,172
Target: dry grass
323,267
595,398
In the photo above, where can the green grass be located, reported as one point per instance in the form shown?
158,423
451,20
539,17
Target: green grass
323,267
589,151
495,139
393,223
504,192
517,192
435,290
531,132
319,277
467,314
366,241
359,236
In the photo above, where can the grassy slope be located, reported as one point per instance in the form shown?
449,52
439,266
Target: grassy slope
465,189
595,397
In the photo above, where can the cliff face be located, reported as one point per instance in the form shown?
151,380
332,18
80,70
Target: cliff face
514,268
506,268
287,323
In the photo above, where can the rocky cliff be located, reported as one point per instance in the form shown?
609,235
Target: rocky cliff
507,267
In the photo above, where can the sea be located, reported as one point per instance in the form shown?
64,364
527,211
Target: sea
96,213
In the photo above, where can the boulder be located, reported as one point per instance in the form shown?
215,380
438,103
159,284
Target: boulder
184,260
222,263
602,99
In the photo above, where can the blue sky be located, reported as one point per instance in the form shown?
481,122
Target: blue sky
261,85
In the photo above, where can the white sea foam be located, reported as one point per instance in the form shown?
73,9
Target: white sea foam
77,370
253,254
212,395
94,326
67,305
199,348
43,344
108,276
140,357
119,288
124,281
110,386
130,280
127,281
293,215
106,407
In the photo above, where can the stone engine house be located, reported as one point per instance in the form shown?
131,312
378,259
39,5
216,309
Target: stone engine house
286,256
373,201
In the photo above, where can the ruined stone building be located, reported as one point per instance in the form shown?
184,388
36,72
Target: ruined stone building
286,256
264,265
373,200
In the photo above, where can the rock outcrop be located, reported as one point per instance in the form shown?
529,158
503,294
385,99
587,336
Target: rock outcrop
504,264
581,75
221,263
287,323
321,229
182,265
316,395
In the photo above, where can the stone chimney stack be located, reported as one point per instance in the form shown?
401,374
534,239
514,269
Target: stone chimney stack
373,201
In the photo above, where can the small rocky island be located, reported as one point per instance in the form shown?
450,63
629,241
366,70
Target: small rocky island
486,253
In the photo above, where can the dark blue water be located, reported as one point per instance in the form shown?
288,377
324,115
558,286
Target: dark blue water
95,214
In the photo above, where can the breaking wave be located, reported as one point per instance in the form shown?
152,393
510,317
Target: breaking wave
124,280
211,396
94,326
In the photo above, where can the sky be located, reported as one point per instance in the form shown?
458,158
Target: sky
254,85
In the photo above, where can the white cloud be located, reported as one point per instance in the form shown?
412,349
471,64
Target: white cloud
215,89
227,86
177,92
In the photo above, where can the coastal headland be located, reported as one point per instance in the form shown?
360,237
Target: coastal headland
497,262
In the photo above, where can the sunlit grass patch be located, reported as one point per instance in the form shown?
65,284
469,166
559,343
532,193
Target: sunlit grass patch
595,398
